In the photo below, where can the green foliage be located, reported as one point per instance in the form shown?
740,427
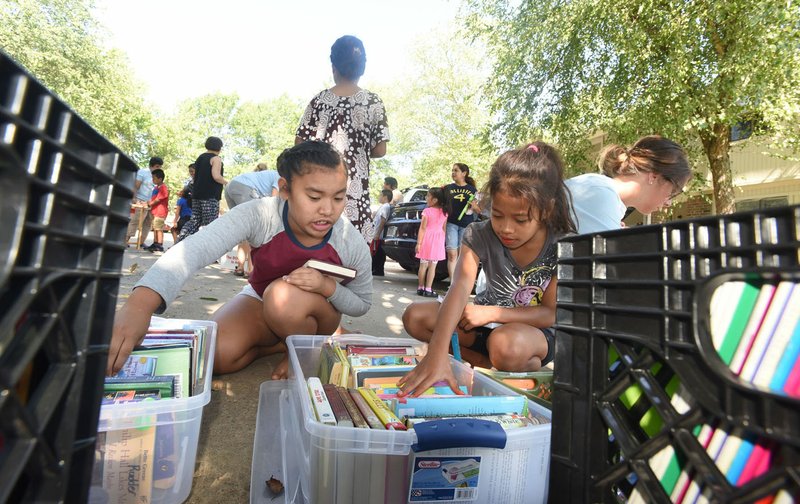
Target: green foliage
59,42
686,69
437,116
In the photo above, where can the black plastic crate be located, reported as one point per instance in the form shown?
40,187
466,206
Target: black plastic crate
633,316
65,194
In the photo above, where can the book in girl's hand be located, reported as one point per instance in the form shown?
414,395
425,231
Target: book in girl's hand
330,269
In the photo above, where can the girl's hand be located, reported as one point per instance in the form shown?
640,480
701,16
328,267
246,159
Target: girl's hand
433,368
130,326
311,280
476,316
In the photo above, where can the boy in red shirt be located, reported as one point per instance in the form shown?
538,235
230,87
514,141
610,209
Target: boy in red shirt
159,208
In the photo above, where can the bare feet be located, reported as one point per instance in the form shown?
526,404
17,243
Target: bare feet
282,369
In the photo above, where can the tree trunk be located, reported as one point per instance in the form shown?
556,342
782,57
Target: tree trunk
716,143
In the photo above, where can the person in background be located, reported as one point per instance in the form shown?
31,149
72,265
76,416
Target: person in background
647,176
207,191
460,195
159,208
391,184
430,240
188,184
509,325
183,212
353,120
379,222
245,187
282,296
143,193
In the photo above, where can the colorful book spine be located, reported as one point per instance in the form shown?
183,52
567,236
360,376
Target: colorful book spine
337,405
460,406
320,401
506,421
390,392
765,336
386,416
382,350
727,341
372,419
779,345
358,419
789,357
382,360
753,325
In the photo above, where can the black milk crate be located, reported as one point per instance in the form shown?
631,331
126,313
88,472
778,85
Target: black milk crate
65,194
633,315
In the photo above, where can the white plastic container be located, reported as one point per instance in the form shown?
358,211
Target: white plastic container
170,426
325,464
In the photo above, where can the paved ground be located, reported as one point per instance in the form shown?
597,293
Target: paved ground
225,448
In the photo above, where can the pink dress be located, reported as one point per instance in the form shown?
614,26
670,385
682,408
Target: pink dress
432,246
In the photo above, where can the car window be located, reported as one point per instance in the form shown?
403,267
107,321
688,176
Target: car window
418,195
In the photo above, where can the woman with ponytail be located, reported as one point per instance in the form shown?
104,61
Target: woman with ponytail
646,176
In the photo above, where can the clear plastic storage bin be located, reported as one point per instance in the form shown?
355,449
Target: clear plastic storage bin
170,426
325,464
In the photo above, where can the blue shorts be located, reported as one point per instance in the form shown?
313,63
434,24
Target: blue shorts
453,236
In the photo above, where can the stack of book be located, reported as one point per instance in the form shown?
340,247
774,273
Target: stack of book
168,364
357,387
755,328
133,463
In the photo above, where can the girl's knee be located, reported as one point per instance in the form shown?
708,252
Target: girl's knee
413,321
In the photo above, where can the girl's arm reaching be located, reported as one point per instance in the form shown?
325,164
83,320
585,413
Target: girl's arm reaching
435,366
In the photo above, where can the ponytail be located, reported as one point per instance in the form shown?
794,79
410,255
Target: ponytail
650,154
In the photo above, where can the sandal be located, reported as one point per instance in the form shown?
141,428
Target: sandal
238,272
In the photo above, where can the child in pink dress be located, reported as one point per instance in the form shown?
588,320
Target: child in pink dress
430,240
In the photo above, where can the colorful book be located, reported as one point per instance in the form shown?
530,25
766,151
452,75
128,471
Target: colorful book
369,415
322,408
390,392
753,325
382,350
367,360
382,372
164,385
386,415
788,360
358,419
337,405
138,365
728,340
764,336
511,421
770,369
172,361
460,406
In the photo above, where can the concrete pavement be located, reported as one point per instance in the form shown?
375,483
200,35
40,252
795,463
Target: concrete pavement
225,450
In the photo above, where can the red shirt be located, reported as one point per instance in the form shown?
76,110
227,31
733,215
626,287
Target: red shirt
159,203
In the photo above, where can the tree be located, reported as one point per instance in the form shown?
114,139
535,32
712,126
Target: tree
59,42
437,116
687,69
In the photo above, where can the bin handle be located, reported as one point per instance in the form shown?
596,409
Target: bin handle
458,433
